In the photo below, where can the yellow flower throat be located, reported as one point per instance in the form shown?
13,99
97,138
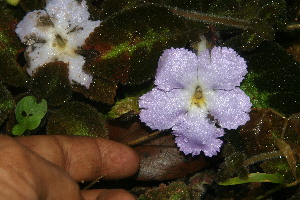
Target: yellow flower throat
198,98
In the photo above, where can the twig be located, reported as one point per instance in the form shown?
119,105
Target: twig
293,26
93,183
143,139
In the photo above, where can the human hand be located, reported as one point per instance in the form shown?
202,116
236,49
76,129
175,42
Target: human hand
48,167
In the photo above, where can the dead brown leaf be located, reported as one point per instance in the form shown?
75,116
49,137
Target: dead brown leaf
160,157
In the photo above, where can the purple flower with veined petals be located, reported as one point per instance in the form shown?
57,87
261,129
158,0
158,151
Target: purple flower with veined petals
193,94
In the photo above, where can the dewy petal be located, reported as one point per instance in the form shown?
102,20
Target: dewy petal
37,55
176,69
195,133
222,68
230,108
31,31
83,30
71,18
75,70
161,110
67,12
56,34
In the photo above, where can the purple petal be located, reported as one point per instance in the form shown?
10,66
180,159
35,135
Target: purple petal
160,109
230,108
176,69
222,68
195,133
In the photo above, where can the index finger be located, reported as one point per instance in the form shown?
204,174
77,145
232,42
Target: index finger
85,158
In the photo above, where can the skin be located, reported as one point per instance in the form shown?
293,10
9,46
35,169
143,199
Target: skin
48,167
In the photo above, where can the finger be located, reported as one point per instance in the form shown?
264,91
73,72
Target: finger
26,175
113,194
85,158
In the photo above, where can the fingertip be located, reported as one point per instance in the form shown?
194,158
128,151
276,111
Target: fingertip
121,161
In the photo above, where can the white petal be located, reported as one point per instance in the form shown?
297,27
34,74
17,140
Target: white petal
230,108
76,72
71,16
222,68
161,110
82,31
195,133
31,30
37,55
177,68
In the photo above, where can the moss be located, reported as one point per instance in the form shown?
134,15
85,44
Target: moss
51,82
174,191
77,118
7,103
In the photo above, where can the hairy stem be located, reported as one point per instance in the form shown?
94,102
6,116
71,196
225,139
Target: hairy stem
262,157
238,23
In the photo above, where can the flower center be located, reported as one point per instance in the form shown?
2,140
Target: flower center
198,98
59,42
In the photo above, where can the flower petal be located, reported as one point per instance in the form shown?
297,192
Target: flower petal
31,29
77,38
37,55
230,108
67,12
71,18
161,110
176,69
195,133
76,72
222,68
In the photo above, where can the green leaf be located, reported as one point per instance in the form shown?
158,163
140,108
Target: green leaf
7,103
273,81
129,104
13,2
19,129
51,82
77,118
99,90
257,20
255,177
29,114
30,5
10,71
131,42
110,7
279,165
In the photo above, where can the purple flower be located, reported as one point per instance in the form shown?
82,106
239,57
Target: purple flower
193,94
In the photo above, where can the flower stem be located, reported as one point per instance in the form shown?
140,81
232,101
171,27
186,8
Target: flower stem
262,157
238,23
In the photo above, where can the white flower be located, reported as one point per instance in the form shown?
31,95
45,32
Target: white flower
56,34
